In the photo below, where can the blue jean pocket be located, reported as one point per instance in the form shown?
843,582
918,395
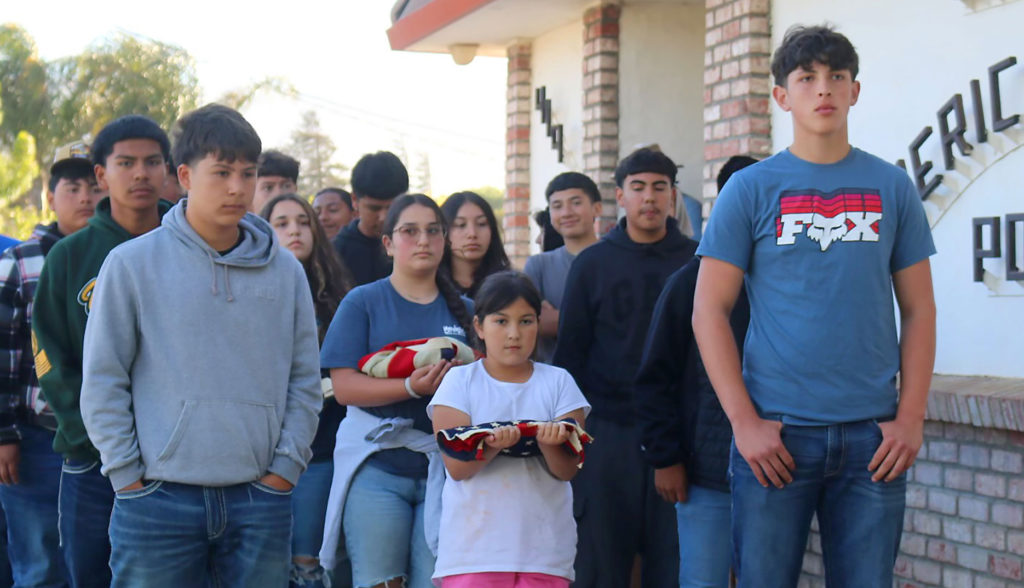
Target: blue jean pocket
269,489
147,489
75,466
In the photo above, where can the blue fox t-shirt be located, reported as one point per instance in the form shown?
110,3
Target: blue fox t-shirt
819,244
370,317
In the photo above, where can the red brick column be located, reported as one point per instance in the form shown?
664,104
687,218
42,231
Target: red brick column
519,104
601,103
737,85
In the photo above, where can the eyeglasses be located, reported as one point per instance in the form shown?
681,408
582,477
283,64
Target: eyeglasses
413,232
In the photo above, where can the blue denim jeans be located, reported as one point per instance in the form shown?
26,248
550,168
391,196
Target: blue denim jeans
86,499
705,551
860,521
309,509
383,525
172,535
6,578
31,507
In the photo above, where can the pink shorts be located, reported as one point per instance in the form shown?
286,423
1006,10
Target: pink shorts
504,580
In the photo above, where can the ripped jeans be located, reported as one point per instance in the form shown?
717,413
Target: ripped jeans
172,535
383,524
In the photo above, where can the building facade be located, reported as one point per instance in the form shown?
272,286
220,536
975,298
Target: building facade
942,96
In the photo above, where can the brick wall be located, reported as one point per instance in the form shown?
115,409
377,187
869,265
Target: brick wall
737,86
964,524
601,103
519,104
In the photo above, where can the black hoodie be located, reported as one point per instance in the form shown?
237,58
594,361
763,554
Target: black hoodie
363,256
609,298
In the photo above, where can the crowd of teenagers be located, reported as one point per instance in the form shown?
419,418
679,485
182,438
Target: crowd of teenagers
204,382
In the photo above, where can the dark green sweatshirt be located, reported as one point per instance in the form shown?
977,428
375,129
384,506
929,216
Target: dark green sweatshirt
59,313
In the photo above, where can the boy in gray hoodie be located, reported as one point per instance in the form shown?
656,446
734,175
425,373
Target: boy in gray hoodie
201,377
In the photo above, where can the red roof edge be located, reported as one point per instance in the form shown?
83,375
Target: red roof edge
429,19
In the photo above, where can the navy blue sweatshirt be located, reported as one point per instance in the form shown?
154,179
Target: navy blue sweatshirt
609,297
363,256
680,418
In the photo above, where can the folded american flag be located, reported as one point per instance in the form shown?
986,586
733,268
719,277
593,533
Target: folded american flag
399,359
467,443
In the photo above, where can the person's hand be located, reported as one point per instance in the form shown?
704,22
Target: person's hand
901,440
548,318
425,380
10,457
552,433
276,482
503,437
670,483
136,485
760,443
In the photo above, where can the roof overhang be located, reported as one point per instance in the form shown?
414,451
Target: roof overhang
490,25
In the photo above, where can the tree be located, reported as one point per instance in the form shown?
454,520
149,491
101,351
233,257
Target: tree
419,180
124,75
17,170
315,151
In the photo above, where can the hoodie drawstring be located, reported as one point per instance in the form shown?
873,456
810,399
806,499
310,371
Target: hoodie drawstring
213,273
227,279
227,285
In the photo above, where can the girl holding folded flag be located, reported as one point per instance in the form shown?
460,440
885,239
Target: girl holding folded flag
507,517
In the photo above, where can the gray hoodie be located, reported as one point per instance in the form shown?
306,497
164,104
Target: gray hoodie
200,368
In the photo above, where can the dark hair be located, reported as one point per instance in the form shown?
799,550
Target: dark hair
215,130
645,160
500,290
733,165
71,170
495,259
802,46
444,284
570,180
343,194
379,175
275,163
329,279
550,238
132,126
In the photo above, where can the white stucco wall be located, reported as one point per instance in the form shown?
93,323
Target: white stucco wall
915,55
558,66
661,93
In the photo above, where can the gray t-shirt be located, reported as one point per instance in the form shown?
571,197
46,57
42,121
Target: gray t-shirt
548,271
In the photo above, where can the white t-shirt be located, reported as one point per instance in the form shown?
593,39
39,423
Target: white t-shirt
513,515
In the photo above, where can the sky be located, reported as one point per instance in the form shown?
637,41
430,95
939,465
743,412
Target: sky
337,57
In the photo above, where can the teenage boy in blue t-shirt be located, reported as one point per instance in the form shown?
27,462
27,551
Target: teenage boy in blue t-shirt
824,234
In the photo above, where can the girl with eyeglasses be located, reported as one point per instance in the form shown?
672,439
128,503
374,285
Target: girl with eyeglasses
382,496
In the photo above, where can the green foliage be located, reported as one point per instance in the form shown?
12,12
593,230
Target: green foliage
17,170
62,101
315,151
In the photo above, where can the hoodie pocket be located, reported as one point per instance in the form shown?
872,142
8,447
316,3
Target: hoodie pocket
230,439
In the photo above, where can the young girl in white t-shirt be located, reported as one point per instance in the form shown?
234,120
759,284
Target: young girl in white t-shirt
507,521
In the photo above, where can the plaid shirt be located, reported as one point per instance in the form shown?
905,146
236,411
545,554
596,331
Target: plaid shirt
20,401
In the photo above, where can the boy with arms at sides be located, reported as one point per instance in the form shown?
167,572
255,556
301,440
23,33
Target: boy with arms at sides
29,468
377,179
609,296
277,174
202,427
129,157
823,234
686,436
573,203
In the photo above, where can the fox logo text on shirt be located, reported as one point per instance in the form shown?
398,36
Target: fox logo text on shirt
843,215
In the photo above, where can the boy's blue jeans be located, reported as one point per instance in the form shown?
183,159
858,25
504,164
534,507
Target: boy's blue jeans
172,535
85,502
705,553
31,507
860,521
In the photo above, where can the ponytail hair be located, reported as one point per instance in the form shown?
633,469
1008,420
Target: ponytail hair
445,287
